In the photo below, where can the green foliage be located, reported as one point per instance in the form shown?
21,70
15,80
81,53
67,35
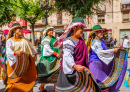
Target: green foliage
29,10
6,11
78,8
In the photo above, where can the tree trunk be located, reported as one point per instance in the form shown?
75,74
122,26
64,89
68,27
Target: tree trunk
32,24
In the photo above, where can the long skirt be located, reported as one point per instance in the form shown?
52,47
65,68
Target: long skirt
47,69
26,81
76,82
110,76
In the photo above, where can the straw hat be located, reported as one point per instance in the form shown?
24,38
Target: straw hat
46,29
15,25
90,38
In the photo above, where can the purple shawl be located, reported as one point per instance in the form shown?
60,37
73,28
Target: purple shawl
80,54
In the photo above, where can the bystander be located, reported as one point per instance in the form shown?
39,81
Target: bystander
126,43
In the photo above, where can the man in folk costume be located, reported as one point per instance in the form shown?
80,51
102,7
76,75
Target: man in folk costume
74,75
21,55
48,63
107,68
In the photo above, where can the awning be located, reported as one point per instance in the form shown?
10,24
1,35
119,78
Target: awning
5,31
125,1
24,31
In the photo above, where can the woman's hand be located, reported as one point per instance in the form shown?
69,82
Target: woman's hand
79,68
116,49
58,56
19,53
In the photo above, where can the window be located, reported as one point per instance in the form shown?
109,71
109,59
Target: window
125,16
59,18
101,18
125,6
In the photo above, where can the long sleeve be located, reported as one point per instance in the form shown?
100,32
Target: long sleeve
68,60
104,55
10,54
47,51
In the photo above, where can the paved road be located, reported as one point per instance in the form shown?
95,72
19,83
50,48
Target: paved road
36,87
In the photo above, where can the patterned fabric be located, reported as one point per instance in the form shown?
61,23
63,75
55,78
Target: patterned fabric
99,52
96,46
47,65
105,90
22,74
3,57
46,40
20,67
1,71
68,45
59,41
115,72
77,82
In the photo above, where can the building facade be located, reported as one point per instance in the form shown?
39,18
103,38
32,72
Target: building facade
114,16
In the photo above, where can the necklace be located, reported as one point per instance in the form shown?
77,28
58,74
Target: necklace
16,39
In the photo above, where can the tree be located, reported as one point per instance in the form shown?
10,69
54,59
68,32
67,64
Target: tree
78,8
30,11
6,11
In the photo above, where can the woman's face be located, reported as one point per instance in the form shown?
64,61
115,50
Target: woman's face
99,34
18,31
50,32
78,31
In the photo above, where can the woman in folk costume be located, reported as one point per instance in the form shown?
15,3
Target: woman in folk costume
48,63
2,54
2,61
21,55
107,68
74,75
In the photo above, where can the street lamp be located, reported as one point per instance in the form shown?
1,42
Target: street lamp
46,8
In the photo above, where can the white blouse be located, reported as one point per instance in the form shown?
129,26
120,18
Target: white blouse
125,43
68,59
11,58
47,51
104,55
